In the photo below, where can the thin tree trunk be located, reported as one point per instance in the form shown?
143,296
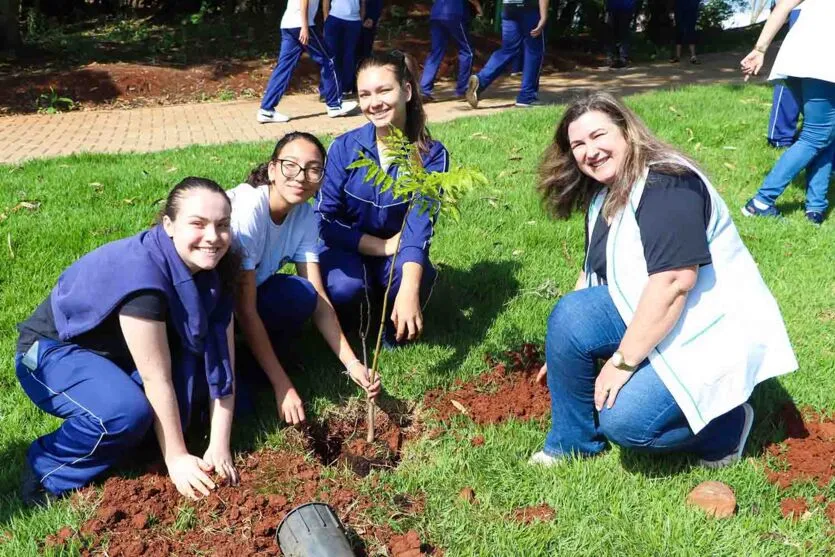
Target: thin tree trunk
10,17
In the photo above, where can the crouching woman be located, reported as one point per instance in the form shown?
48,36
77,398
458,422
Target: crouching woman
131,336
669,298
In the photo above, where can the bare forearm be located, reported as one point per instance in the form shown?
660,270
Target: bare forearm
222,410
373,245
581,281
543,9
161,395
775,22
659,309
412,275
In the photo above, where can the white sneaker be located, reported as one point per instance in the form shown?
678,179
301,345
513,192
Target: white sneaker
271,116
541,459
343,110
528,104
736,455
472,91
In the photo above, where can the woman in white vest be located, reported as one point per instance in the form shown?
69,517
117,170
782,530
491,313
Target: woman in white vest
668,297
804,63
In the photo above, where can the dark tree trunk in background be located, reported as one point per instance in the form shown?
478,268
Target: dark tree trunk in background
9,24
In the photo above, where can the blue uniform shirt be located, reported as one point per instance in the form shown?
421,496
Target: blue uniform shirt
347,206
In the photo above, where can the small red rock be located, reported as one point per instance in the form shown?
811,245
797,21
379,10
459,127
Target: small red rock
477,441
467,494
793,508
715,498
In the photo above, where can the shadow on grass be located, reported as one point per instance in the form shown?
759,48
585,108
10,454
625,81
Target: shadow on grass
771,403
14,458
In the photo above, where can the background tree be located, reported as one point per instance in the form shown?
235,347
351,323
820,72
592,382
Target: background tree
9,24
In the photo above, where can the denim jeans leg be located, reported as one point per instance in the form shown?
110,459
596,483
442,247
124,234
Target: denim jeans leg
817,99
584,326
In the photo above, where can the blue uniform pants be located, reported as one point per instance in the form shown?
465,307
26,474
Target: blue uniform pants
813,150
441,30
785,112
288,57
583,327
516,36
105,413
342,39
366,43
348,276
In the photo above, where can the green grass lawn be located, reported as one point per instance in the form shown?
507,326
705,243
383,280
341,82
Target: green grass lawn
502,269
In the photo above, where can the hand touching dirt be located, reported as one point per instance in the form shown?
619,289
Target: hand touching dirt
359,375
289,404
542,376
220,459
752,63
608,384
406,315
188,473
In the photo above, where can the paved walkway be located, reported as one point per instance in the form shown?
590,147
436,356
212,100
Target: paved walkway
158,128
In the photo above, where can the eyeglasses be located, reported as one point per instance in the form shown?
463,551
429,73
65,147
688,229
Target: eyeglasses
290,169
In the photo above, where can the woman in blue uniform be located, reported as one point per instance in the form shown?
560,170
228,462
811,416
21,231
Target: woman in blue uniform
358,224
133,334
449,19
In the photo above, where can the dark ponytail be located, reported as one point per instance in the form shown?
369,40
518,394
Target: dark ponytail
405,70
259,176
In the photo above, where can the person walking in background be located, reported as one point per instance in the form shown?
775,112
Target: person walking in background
449,18
785,112
343,25
299,34
619,18
373,12
686,16
523,26
804,63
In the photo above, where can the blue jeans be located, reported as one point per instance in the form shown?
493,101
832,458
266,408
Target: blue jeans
516,38
583,327
813,150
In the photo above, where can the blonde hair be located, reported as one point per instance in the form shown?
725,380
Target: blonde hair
565,188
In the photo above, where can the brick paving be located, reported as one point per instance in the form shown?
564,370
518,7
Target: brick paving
167,127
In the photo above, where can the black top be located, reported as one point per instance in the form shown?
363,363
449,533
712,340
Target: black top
672,216
107,339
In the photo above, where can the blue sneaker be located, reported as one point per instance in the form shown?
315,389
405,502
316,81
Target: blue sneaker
815,217
751,210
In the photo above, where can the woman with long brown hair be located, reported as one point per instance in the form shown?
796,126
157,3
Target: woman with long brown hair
359,224
668,297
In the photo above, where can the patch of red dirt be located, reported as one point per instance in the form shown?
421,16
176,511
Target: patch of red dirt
409,545
537,513
146,516
508,390
794,507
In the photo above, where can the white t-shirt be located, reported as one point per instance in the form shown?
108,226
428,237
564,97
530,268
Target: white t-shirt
349,10
808,48
265,246
292,18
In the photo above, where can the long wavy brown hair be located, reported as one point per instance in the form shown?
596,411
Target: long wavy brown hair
564,187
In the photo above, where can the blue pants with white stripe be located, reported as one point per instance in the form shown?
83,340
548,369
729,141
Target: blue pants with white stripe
516,36
441,30
785,112
349,276
105,413
288,57
342,38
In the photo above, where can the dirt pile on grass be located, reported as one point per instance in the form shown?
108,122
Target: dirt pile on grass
146,516
537,513
806,455
508,390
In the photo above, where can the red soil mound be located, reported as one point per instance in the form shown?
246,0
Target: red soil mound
793,507
508,390
538,513
147,516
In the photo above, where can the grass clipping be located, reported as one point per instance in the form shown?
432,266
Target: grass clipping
424,191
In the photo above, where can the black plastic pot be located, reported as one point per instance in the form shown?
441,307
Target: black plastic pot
313,530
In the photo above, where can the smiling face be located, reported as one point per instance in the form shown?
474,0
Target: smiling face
201,229
302,155
382,97
598,146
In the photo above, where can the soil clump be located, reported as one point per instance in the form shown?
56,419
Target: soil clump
536,513
507,391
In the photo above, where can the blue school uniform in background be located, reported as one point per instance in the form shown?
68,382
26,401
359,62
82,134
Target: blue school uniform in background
347,207
448,19
66,357
373,11
342,37
519,18
785,112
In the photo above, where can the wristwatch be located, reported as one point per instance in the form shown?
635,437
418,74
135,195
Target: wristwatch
620,362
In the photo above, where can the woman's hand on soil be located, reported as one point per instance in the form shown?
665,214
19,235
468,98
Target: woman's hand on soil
359,374
189,474
609,382
406,315
290,405
752,63
542,376
220,459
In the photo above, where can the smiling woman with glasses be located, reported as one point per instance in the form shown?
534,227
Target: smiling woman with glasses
273,224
